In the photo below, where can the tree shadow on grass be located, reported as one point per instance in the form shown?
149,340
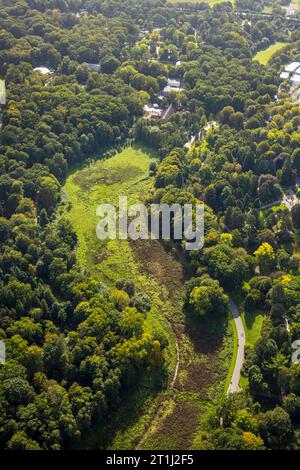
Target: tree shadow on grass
206,334
123,416
250,319
200,367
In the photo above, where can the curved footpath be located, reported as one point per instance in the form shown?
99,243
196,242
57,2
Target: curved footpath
235,379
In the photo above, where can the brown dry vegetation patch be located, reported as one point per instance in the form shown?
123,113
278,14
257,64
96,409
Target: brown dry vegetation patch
99,256
199,351
177,430
153,259
198,378
204,341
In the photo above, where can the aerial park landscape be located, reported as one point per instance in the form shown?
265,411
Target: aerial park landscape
140,343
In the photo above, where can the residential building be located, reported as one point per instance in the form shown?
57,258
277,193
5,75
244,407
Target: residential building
93,67
43,70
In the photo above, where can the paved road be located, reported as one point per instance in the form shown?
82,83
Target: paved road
234,384
177,366
289,199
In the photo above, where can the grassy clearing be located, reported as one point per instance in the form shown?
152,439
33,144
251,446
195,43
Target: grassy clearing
277,208
253,324
267,10
103,182
295,4
264,56
149,417
205,355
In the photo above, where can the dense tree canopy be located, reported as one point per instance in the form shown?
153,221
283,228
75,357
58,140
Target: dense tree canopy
74,345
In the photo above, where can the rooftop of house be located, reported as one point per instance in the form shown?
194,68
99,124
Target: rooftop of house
81,13
295,78
284,75
174,82
168,89
96,67
152,111
292,67
43,70
210,125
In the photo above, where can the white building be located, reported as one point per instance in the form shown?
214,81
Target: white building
93,67
290,10
210,126
43,70
153,111
81,13
189,144
284,75
291,71
292,67
174,84
295,79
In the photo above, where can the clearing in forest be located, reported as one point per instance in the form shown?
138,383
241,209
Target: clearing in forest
150,417
263,57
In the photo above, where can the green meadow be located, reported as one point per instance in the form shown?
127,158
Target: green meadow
102,182
253,323
263,57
